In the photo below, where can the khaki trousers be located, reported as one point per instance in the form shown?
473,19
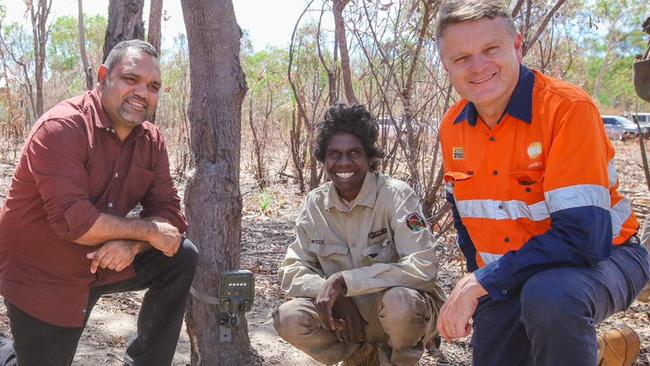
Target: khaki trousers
400,321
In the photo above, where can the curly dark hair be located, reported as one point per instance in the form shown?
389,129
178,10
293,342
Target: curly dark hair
354,120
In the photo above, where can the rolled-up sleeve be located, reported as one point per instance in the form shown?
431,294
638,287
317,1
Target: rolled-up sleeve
417,267
55,155
161,199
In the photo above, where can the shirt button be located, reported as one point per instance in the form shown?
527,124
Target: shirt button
500,207
108,128
506,239
117,175
492,139
504,292
528,189
110,204
112,130
495,172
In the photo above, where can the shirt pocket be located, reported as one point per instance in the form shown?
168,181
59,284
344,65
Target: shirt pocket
332,257
527,185
383,252
460,184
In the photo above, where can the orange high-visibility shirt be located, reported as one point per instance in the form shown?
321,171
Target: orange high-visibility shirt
549,153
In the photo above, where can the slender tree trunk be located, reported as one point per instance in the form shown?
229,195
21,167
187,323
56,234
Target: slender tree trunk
39,13
124,23
82,48
155,19
212,199
339,25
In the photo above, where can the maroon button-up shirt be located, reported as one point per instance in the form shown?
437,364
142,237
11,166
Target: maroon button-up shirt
72,168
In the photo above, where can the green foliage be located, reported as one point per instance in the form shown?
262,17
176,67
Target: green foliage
266,201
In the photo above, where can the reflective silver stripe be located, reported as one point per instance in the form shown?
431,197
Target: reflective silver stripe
577,196
502,210
489,257
612,173
621,212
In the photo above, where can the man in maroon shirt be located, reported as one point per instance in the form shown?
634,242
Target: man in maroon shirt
65,239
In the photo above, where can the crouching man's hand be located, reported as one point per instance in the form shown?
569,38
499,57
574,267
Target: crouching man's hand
164,236
115,255
338,312
456,313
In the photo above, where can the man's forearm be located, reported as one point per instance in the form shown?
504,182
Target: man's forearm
109,227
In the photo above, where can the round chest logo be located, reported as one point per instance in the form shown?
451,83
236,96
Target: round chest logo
534,150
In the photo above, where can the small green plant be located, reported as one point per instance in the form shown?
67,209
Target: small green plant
266,200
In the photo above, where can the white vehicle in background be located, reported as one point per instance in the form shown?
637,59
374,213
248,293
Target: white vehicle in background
620,128
644,120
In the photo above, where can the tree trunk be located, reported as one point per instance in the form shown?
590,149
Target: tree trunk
155,18
339,25
212,199
82,48
39,14
124,23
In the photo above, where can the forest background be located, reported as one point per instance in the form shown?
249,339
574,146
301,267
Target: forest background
378,53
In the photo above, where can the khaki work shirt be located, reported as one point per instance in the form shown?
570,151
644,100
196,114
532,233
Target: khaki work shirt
378,241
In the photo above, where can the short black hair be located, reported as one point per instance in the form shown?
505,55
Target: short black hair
355,120
120,49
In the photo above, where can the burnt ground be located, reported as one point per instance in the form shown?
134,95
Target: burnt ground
267,231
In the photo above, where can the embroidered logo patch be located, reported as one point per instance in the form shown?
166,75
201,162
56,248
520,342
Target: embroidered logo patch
458,153
534,150
415,222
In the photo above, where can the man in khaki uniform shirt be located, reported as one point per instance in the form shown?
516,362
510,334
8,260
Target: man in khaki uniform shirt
363,248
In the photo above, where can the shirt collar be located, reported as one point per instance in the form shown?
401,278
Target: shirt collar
520,105
366,196
101,120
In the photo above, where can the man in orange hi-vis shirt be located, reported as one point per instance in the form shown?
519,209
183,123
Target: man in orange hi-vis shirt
550,242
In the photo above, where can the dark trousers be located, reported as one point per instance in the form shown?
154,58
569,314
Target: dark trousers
552,320
168,281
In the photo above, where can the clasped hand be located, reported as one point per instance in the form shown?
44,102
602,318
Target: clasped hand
339,312
114,254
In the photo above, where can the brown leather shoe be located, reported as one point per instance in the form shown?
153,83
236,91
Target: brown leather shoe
618,346
364,356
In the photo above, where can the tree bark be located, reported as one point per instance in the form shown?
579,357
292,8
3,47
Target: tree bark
82,47
339,26
124,23
155,19
213,201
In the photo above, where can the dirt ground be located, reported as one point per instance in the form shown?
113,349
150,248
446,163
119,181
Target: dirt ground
267,231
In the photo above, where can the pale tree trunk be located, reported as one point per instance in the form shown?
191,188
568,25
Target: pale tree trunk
124,23
155,19
39,13
339,26
213,201
82,48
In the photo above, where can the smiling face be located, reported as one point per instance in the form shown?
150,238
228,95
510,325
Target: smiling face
482,59
346,164
129,92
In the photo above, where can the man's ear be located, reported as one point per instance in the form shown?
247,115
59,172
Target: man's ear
102,74
519,46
